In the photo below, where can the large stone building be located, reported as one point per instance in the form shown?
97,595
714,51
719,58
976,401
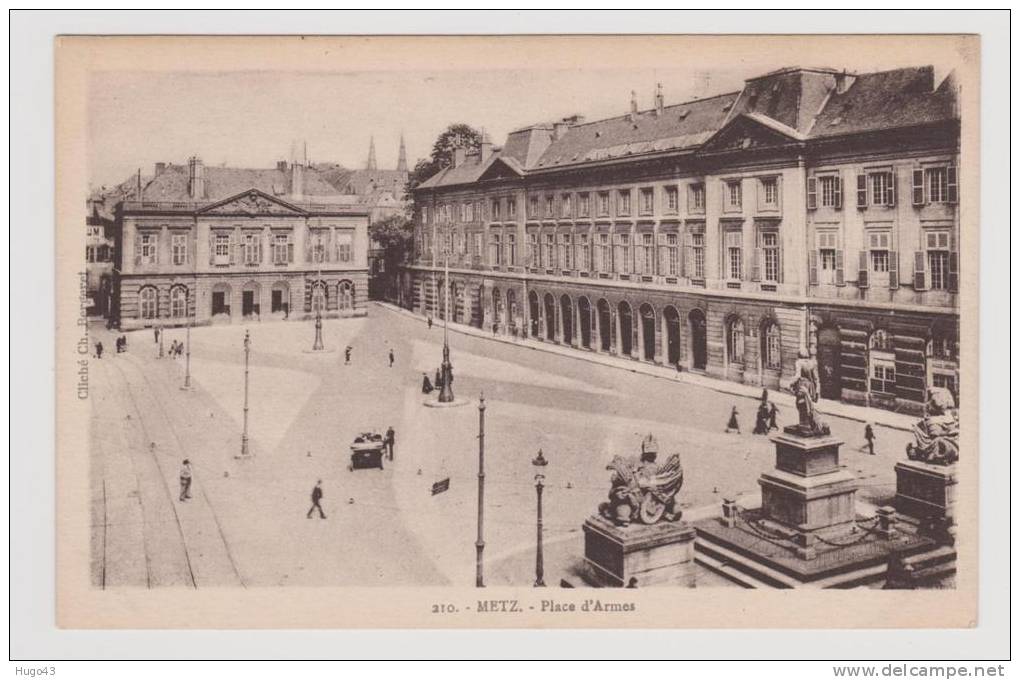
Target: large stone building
812,210
216,244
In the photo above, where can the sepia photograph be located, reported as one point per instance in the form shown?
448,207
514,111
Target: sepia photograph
547,331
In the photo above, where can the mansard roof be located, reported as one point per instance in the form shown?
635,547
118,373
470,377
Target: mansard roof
172,183
889,99
799,104
678,127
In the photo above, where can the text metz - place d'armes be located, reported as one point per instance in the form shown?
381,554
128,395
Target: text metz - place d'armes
552,606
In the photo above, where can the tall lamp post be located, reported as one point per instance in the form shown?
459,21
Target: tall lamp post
317,344
187,356
539,462
162,330
244,433
446,392
480,541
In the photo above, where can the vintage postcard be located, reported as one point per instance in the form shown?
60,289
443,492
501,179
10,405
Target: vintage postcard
517,332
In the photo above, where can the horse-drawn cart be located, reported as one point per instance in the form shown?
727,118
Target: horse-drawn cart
367,451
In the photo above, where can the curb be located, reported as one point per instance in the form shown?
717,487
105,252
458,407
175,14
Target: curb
861,414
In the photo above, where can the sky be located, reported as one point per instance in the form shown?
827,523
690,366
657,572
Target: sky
252,119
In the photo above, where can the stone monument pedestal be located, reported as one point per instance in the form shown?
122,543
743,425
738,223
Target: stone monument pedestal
926,491
808,491
659,554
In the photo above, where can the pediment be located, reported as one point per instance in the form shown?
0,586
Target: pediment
252,202
500,169
744,133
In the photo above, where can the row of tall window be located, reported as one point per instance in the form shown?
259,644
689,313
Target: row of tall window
249,248
935,265
931,185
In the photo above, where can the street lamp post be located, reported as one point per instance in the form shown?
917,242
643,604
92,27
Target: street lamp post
539,462
317,345
187,357
446,392
162,331
480,542
244,433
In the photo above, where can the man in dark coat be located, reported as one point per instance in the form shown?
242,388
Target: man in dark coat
316,497
347,354
426,386
732,424
439,379
155,334
869,436
391,358
761,419
773,414
429,321
391,440
99,350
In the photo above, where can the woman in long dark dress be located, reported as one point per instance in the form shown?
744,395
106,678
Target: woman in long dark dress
426,386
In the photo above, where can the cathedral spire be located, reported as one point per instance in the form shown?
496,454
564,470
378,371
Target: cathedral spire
371,165
402,158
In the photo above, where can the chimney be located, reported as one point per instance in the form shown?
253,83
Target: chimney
560,128
660,102
160,169
459,155
196,178
843,81
633,105
297,180
485,148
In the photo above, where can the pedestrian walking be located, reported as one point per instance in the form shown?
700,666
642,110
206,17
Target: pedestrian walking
185,480
429,321
773,414
347,354
391,358
732,424
869,436
155,334
439,379
679,367
391,440
316,498
765,395
761,419
99,350
426,386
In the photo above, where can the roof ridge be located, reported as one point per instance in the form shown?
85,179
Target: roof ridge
668,106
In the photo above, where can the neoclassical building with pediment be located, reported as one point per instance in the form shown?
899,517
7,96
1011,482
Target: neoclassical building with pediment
812,210
221,245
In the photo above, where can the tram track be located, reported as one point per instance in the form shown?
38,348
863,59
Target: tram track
180,446
130,393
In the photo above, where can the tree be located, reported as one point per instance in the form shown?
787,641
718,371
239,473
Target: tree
456,136
394,235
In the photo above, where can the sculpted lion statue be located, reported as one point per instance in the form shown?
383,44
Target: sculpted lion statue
641,489
937,435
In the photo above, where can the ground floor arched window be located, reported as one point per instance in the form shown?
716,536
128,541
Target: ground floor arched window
148,305
735,340
178,302
346,295
771,346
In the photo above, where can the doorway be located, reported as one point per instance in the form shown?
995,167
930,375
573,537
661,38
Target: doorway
830,360
699,339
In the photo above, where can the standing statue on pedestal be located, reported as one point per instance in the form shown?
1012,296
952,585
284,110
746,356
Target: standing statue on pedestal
805,387
937,435
642,490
